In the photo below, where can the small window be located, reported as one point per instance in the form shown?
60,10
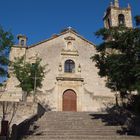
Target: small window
69,66
22,42
121,19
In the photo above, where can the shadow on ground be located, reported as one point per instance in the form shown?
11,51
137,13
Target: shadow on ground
118,116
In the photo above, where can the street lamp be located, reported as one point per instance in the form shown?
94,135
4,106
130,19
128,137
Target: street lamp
34,92
35,85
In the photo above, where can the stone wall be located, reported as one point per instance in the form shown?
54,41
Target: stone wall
21,111
21,129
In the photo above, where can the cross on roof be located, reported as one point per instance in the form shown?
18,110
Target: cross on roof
69,27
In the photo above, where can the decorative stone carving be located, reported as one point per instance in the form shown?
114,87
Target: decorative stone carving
79,68
60,67
69,38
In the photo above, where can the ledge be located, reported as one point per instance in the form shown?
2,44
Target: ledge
70,52
69,79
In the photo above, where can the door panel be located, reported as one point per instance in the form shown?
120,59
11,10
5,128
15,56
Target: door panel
69,101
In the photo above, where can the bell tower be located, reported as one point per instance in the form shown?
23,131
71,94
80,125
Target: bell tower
116,16
22,40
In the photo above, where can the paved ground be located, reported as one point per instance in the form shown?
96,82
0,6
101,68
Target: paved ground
76,126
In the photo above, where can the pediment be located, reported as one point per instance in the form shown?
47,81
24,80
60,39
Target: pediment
68,38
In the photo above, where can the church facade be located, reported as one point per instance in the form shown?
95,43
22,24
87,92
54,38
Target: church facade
71,82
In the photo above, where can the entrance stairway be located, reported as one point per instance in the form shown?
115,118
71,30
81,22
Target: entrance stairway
76,126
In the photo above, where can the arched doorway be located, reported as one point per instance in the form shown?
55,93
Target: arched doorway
69,101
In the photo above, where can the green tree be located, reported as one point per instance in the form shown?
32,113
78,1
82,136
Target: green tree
6,42
118,59
30,75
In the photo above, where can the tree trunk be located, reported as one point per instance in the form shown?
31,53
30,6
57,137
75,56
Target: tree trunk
24,96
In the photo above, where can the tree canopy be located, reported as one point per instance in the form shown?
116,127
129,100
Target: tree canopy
30,75
118,58
6,42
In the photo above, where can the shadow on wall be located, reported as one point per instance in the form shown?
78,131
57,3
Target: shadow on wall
27,127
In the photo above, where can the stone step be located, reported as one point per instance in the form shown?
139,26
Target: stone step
68,118
74,128
77,128
71,124
72,120
69,132
89,137
73,114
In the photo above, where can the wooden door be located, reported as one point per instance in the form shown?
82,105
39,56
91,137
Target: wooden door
69,101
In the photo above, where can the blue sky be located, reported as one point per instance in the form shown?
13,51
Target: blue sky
39,19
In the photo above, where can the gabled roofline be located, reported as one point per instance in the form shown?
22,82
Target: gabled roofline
53,37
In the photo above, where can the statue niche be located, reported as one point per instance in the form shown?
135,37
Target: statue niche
69,43
69,46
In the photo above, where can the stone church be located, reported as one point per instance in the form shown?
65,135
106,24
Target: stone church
71,82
